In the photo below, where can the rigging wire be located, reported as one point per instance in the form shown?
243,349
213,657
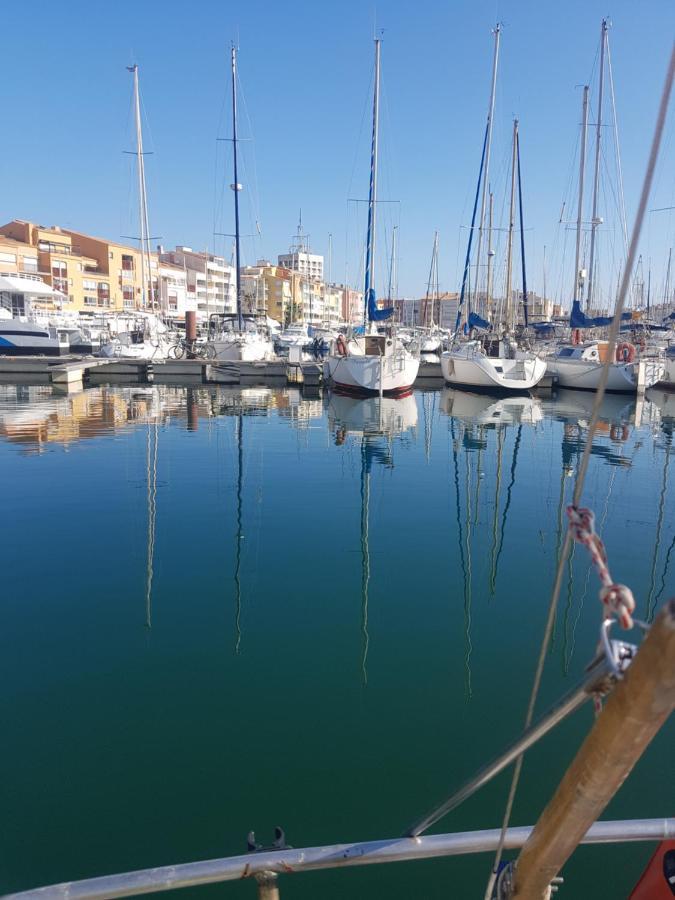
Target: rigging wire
585,459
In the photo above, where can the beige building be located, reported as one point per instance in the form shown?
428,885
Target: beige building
92,273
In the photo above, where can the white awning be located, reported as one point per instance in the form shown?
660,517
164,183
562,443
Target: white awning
30,286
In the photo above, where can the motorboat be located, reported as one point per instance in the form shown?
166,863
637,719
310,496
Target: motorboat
30,338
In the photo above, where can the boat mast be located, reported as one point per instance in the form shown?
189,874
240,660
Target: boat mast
142,194
392,264
372,196
486,172
490,260
509,249
522,235
434,295
578,279
236,187
595,221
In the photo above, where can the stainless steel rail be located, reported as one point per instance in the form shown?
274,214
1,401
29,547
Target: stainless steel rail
234,868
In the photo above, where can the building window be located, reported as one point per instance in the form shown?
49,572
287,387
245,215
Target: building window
8,258
127,263
30,263
90,301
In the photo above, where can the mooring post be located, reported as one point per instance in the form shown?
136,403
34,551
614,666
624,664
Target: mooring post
268,886
190,330
633,714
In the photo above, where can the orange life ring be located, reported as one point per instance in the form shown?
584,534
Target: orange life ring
340,345
625,352
619,433
576,336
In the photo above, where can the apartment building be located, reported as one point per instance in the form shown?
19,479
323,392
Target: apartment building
91,273
210,281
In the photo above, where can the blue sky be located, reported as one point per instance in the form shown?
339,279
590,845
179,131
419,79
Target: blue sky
306,71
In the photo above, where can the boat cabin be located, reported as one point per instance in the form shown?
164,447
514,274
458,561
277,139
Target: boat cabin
596,351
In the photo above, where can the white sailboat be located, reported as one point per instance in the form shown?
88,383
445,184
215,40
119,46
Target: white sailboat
580,365
499,363
372,362
238,337
430,335
146,336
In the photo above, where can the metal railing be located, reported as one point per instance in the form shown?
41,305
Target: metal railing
265,865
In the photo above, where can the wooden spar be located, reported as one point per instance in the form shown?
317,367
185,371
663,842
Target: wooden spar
633,714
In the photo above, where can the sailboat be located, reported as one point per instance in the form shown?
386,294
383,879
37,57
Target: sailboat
238,336
145,335
498,363
580,364
372,363
430,335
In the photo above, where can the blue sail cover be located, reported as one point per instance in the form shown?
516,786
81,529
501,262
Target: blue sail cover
475,321
375,314
578,319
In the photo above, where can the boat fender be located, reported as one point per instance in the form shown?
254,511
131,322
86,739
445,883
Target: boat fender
625,352
619,433
341,346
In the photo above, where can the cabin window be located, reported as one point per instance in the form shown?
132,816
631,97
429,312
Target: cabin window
566,351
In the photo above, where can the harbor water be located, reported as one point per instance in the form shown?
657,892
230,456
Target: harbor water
225,610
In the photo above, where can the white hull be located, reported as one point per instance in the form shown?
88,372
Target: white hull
430,345
585,375
393,373
243,348
119,349
468,366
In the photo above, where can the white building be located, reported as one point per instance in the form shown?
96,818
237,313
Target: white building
306,263
174,300
211,283
300,257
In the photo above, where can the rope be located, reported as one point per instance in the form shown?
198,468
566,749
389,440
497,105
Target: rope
583,467
617,599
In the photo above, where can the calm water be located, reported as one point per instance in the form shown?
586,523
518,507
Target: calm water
330,642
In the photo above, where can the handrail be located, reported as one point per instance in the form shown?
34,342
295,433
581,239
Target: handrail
234,868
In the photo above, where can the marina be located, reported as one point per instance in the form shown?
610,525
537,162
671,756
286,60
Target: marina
306,573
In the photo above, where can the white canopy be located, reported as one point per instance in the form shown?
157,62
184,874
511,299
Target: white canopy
32,286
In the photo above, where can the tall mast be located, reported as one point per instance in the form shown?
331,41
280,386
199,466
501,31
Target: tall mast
434,294
578,280
522,236
372,197
236,187
146,271
392,264
486,172
596,172
666,291
490,259
512,211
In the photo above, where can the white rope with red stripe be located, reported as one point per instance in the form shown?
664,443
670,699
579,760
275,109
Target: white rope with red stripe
617,599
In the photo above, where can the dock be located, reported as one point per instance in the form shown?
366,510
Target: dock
78,370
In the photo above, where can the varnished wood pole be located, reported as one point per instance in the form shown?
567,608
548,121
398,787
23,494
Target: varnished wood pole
633,714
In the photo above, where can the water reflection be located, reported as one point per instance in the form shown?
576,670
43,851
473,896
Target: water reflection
374,422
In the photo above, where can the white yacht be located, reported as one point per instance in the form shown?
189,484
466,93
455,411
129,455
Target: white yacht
145,336
24,329
492,365
580,366
295,335
239,338
372,362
